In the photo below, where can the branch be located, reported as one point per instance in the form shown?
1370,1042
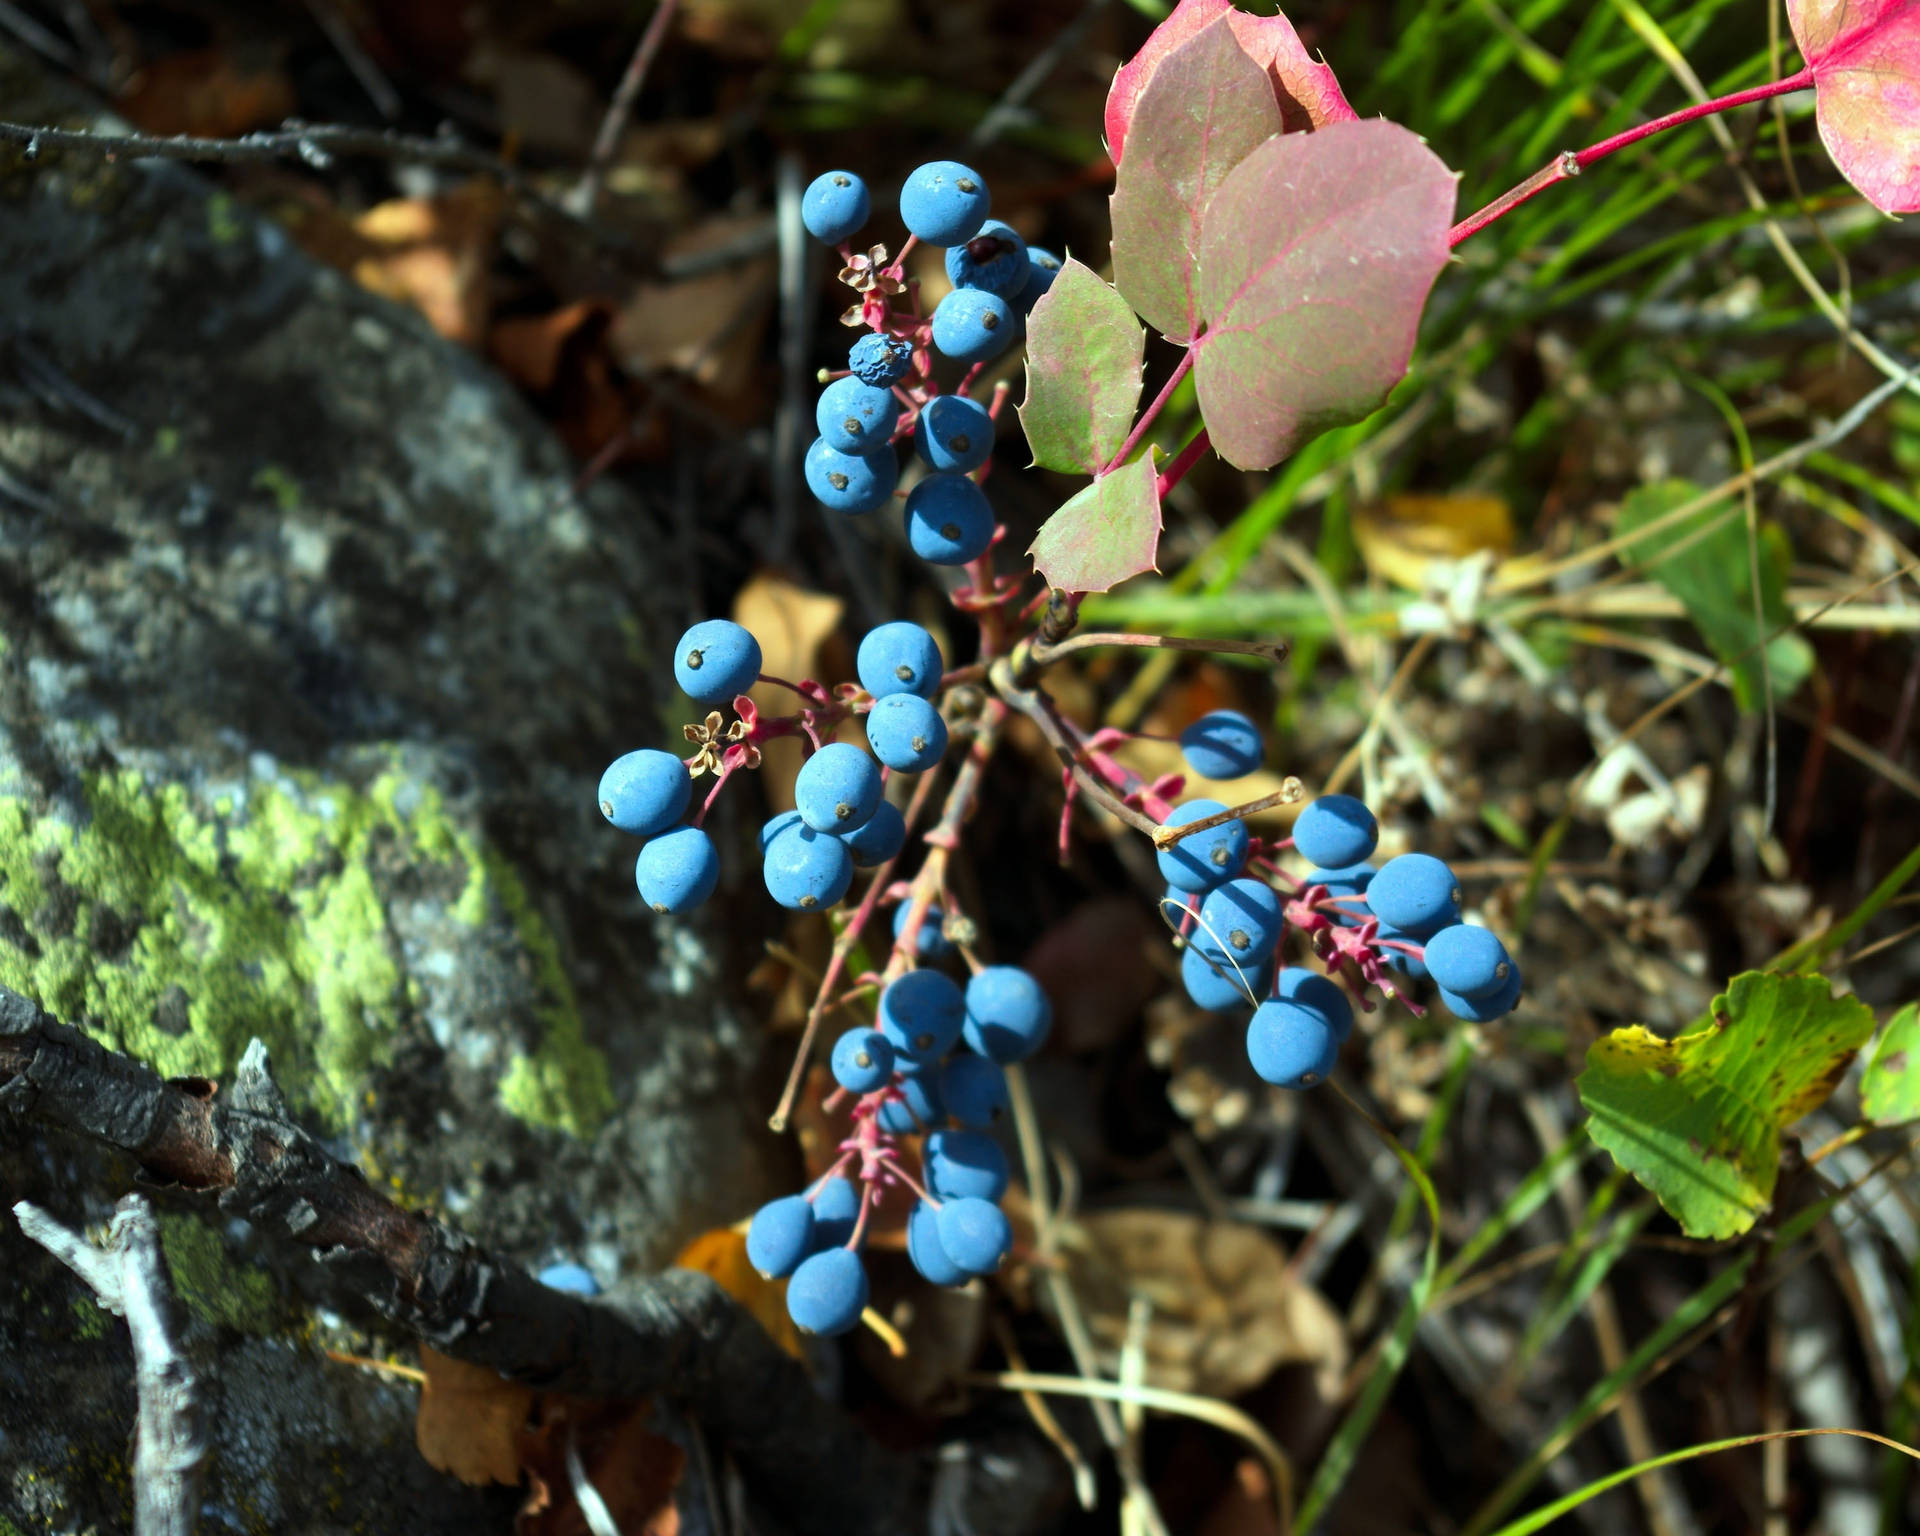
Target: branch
130,1278
676,1333
315,144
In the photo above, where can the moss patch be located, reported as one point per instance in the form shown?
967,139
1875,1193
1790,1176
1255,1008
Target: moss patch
177,935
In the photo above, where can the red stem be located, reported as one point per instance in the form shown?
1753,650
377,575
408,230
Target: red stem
1183,461
1572,162
1151,414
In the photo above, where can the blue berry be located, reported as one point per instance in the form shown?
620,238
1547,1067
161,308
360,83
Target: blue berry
898,658
929,943
975,1234
805,870
917,1109
943,202
994,259
835,206
1416,893
836,1211
949,520
828,1292
959,1163
1042,268
570,1278
1468,961
852,483
775,826
974,1091
883,835
1206,859
645,792
838,788
1348,881
1484,1010
906,732
1334,831
677,870
1222,744
954,433
1411,966
923,1247
1007,1015
1318,994
971,325
881,361
921,1014
780,1235
855,417
716,661
1214,984
1242,918
862,1060
1291,1046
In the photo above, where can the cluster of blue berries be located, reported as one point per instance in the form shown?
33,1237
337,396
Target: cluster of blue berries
1359,920
907,1076
841,819
851,466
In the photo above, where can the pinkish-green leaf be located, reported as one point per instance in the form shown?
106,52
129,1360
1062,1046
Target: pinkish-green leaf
1205,107
1866,81
1110,531
1316,257
1307,93
1084,354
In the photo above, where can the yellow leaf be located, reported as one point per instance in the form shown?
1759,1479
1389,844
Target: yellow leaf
722,1253
794,627
1400,540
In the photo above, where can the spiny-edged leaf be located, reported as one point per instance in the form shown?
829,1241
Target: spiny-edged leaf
1697,1119
1084,355
1890,1091
1204,108
1110,531
1866,88
1712,576
1316,257
1305,90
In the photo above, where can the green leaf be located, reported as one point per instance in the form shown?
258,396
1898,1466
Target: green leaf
1712,576
1697,1119
1316,257
1110,531
1206,105
1085,352
1890,1091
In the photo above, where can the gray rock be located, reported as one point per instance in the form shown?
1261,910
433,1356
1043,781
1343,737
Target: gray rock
310,656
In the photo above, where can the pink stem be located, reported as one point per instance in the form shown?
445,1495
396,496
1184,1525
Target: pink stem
1571,163
1151,414
1183,461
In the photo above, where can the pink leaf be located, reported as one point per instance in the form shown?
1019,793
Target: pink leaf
1205,108
1316,257
1307,93
1865,56
1108,532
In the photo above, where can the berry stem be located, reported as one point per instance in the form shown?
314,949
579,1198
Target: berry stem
1570,163
843,946
1151,413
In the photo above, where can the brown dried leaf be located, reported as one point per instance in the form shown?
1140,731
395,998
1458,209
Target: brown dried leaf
794,627
634,1470
1226,1311
214,93
433,253
470,1420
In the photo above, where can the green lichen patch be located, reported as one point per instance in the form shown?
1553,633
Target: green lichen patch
178,933
216,1290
